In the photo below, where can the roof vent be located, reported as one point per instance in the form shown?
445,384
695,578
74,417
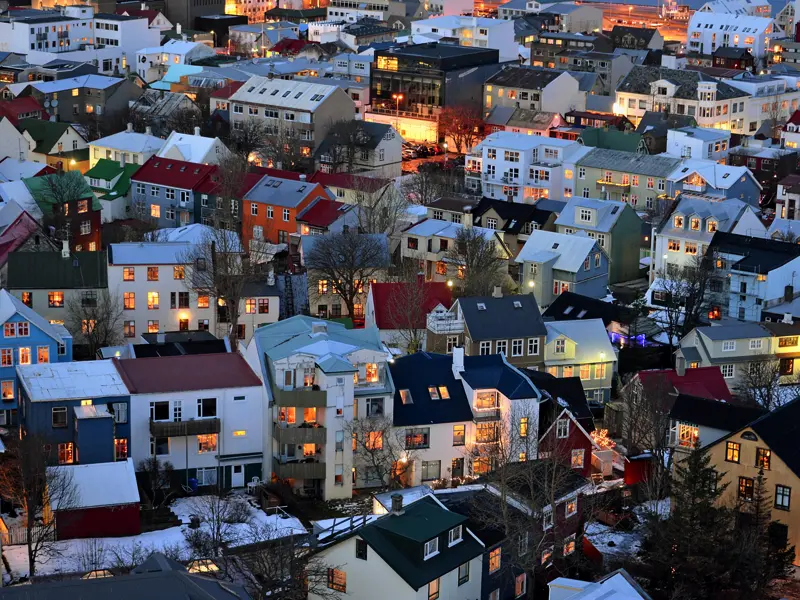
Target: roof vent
517,304
481,306
555,245
319,327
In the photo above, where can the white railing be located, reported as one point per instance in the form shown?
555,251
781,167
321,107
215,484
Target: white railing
446,323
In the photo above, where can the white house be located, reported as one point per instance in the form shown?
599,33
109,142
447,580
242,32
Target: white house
478,32
204,413
193,148
708,31
130,146
699,142
152,62
753,8
13,143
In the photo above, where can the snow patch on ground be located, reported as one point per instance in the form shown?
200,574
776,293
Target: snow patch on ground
625,543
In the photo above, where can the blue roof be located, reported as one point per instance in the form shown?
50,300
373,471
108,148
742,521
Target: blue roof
493,372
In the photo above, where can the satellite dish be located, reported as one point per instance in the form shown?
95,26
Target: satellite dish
47,103
55,103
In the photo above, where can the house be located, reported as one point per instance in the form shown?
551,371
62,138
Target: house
710,180
581,346
551,263
193,148
326,216
636,38
22,108
617,585
740,59
787,200
521,120
765,443
14,143
372,149
514,219
507,325
402,326
106,500
56,144
155,18
163,190
610,67
13,169
49,282
156,107
21,233
572,17
616,227
699,142
565,441
317,375
534,88
153,62
81,409
260,39
150,278
420,548
354,189
655,127
111,183
27,339
260,305
472,31
743,31
768,163
128,146
613,139
271,206
224,429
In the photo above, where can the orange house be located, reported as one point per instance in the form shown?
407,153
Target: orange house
270,208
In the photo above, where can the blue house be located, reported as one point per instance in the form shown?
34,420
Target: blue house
80,408
711,180
27,339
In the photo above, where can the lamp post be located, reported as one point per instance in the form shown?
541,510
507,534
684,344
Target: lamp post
213,38
397,98
444,145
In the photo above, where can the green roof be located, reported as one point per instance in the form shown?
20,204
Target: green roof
49,271
45,133
37,186
107,170
611,139
399,540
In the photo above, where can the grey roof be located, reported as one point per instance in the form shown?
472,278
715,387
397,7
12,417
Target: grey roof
502,318
691,354
608,213
363,134
515,5
734,331
629,162
638,81
529,78
562,8
280,192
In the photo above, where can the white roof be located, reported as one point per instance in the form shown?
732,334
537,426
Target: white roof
732,6
457,22
727,214
286,93
11,305
617,586
515,141
718,176
729,22
192,148
445,229
12,169
129,141
570,250
704,133
17,191
608,213
71,380
196,233
172,47
97,82
99,484
148,253
589,335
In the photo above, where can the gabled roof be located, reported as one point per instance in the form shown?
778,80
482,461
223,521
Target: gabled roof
227,90
13,169
100,484
177,174
130,141
277,191
492,371
608,213
640,33
45,133
350,182
720,177
629,162
561,391
41,193
10,305
416,373
589,335
291,94
569,306
71,380
431,294
528,78
716,414
638,81
362,134
19,106
727,213
192,148
507,317
148,253
703,382
515,214
758,255
569,251
323,213
106,170
95,82
612,138
49,271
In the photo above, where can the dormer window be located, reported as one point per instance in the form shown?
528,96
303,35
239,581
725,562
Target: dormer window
454,536
711,226
695,224
678,222
431,548
585,215
560,346
405,396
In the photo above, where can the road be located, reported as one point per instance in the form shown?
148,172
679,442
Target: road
642,16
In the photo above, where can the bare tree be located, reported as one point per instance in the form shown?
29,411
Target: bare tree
762,384
381,450
462,125
380,207
285,148
220,518
27,480
407,309
345,264
480,260
429,184
343,142
249,139
95,318
59,190
158,476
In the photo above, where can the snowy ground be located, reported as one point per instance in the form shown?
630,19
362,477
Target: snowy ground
82,555
612,542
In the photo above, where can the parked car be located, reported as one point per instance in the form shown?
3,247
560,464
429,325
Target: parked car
409,154
422,151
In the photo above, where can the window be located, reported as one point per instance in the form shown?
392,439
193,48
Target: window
431,548
516,347
178,273
120,448
250,306
120,410
7,390
485,348
459,435
501,347
569,545
152,326
25,356
337,580
202,301
129,300
59,416
159,446
572,506
454,535
7,357
763,456
43,354
523,427
732,452
786,342
55,300
418,438
729,345
431,470
533,346
674,245
783,497
66,453
206,407
520,585
577,459
746,486
263,306
152,301
285,214
463,573
155,210
560,346
152,273
206,443
494,560
756,344
728,371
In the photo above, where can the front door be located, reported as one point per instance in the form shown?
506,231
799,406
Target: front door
237,476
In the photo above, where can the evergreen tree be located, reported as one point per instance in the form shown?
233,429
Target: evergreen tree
688,551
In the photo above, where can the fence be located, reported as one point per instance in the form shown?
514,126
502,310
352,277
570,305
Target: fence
18,535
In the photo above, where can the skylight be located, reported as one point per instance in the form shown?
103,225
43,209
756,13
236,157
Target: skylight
405,396
568,310
580,314
517,304
555,245
481,306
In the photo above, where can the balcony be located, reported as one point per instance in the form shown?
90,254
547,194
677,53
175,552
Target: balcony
184,428
305,397
695,187
613,185
287,434
403,113
302,468
447,323
486,414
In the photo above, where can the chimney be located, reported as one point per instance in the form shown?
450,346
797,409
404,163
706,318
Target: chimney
148,130
319,327
178,29
161,338
680,367
65,249
121,160
788,293
271,277
397,504
787,318
458,361
130,128
302,176
197,131
144,6
466,220
497,292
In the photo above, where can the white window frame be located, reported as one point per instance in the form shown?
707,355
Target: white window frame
533,346
729,346
724,368
562,429
517,347
454,536
431,548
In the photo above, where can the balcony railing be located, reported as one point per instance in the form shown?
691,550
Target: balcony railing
486,414
183,428
302,468
290,434
402,113
612,184
447,323
305,397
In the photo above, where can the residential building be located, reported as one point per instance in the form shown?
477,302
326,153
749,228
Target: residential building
534,88
260,306
787,200
260,38
82,409
739,59
151,280
516,220
627,177
655,126
307,109
326,216
520,120
193,148
551,263
442,558
204,413
768,164
164,188
400,310
76,218
709,180
582,348
110,182
572,17
59,145
616,227
790,132
153,62
636,38
318,375
478,32
610,67
613,139
765,443
507,325
28,339
618,583
127,146
517,168
699,142
372,149
732,30
410,85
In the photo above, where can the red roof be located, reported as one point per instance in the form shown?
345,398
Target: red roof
322,213
794,119
21,107
174,173
346,180
16,234
280,173
288,46
703,382
163,374
210,184
435,293
226,91
137,12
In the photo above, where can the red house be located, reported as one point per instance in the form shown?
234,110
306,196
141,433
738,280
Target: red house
703,382
105,502
567,442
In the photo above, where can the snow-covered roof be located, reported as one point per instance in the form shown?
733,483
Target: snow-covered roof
98,484
608,212
616,586
130,141
18,192
148,253
196,233
569,250
515,141
589,335
13,169
784,229
445,229
11,305
45,382
720,177
704,133
172,47
726,214
192,148
95,82
457,22
286,93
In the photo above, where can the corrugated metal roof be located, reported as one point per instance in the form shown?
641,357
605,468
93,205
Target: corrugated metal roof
71,381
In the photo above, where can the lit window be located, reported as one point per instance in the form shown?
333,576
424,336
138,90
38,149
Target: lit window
494,560
206,443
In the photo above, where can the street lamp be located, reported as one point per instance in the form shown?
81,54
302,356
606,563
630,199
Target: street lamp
213,38
444,145
397,98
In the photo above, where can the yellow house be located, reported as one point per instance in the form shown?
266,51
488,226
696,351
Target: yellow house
770,442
